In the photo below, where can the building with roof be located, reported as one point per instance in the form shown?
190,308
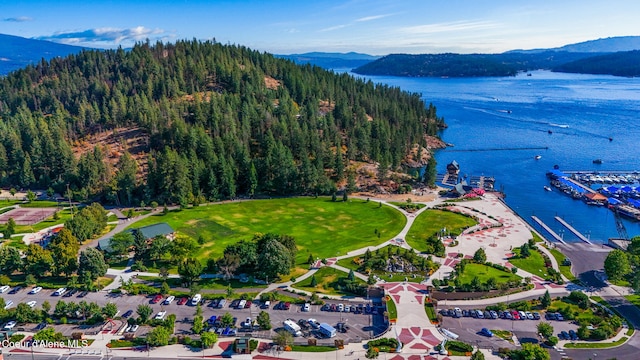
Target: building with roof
148,232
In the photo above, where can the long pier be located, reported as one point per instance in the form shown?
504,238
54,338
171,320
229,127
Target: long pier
574,231
585,188
548,229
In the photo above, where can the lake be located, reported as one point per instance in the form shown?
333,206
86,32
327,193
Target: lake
581,111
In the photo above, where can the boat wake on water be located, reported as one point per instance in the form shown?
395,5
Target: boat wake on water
564,126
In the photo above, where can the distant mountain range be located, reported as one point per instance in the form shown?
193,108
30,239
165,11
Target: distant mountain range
331,60
612,56
17,52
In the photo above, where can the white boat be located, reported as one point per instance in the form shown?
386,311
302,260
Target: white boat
547,188
538,157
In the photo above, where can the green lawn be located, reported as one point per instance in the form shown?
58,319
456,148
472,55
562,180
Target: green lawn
391,309
432,221
503,334
484,272
594,345
431,311
328,280
634,299
534,264
321,227
582,314
564,269
311,348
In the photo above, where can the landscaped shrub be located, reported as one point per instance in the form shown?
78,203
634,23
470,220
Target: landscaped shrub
459,346
384,342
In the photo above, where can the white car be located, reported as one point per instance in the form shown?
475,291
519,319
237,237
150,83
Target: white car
10,325
60,291
160,315
195,300
306,307
4,288
32,303
8,304
169,300
134,328
35,290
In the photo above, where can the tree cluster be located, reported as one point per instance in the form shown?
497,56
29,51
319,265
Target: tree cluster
624,265
88,222
216,121
266,256
60,257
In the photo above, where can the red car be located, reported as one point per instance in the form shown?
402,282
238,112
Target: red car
182,301
156,299
247,304
287,305
515,315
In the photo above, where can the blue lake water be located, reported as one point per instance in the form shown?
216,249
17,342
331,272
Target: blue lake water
582,111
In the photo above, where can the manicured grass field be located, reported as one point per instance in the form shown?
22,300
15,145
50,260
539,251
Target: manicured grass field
214,284
595,345
564,269
328,280
534,264
432,221
484,272
392,309
312,348
321,227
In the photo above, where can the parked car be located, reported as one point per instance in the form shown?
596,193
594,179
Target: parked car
486,332
222,303
15,290
160,315
182,301
536,316
156,299
241,304
466,313
347,308
214,303
35,290
83,294
522,314
564,335
457,312
10,325
326,307
287,305
573,335
32,303
8,304
340,307
70,293
559,317
247,305
59,292
266,304
508,316
195,300
516,315
134,328
127,314
529,315
550,316
306,307
4,288
334,307
480,314
314,323
494,315
169,300
486,314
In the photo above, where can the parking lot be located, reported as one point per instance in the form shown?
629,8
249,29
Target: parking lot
468,328
358,326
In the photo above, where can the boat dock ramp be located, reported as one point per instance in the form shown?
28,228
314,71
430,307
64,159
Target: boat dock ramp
576,232
548,229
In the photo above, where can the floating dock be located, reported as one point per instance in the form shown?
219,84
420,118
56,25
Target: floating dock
548,229
576,232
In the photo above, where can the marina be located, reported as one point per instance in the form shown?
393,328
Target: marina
548,229
574,231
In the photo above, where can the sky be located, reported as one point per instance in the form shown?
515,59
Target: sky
374,27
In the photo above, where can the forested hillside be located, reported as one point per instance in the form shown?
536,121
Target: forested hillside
213,121
467,65
619,64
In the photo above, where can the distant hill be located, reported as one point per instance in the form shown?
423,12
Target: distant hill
620,64
509,63
331,60
17,52
466,65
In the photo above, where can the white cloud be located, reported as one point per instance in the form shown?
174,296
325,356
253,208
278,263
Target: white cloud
333,28
107,36
448,27
373,17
